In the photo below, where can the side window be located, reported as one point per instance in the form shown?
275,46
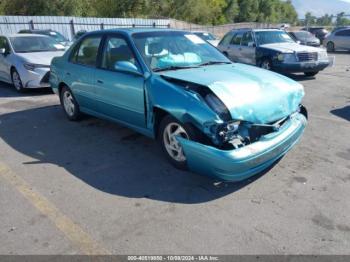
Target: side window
343,33
236,40
4,44
226,40
116,50
247,38
86,54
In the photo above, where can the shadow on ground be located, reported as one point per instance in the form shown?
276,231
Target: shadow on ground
107,156
7,90
342,112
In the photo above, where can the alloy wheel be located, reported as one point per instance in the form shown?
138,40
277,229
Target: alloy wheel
16,81
68,103
172,145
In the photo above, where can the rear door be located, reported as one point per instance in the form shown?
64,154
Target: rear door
81,72
247,49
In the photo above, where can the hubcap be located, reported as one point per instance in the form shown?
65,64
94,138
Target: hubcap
68,103
16,81
172,145
266,65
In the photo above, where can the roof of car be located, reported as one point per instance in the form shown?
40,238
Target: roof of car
257,29
136,30
25,35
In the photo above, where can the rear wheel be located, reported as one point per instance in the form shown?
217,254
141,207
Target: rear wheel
69,104
310,73
169,129
330,47
16,80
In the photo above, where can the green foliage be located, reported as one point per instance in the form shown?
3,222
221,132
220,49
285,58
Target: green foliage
196,11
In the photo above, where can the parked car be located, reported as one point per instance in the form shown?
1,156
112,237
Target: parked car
319,32
25,59
51,33
210,38
305,38
338,39
273,49
217,118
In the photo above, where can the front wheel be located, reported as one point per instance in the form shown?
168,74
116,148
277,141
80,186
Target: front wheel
310,73
69,104
16,81
169,129
266,64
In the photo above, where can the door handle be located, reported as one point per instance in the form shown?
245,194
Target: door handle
99,81
68,74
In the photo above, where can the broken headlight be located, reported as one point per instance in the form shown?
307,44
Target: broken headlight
217,106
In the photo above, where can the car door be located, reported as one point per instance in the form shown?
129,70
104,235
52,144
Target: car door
81,71
5,64
225,43
247,49
120,93
234,47
342,39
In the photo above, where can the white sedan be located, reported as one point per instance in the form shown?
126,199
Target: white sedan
25,60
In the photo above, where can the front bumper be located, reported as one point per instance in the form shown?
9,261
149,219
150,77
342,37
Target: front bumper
298,67
39,78
242,163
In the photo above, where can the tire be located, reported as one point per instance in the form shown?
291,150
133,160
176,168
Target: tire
266,64
330,47
174,156
309,74
69,104
16,81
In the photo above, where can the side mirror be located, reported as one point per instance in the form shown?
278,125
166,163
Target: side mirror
298,42
126,66
251,44
3,51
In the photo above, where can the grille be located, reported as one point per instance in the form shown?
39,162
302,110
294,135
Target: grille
46,78
307,56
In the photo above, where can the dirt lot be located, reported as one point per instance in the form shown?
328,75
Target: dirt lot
96,187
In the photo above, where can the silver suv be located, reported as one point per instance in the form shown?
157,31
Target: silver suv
338,39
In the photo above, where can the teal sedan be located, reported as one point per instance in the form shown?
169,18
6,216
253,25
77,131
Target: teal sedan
214,117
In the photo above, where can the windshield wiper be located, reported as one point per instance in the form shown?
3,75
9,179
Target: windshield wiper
214,63
158,69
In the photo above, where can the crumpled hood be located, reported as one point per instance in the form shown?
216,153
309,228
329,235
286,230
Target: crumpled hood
250,93
42,58
290,47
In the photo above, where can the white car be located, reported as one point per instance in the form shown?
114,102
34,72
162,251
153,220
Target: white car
25,59
211,39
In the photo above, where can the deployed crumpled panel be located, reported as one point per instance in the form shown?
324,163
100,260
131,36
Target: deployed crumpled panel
250,93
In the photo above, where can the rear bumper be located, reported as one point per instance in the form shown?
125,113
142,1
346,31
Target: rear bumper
242,163
300,66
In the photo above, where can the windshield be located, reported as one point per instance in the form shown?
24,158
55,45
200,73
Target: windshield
170,49
29,44
205,36
56,35
271,37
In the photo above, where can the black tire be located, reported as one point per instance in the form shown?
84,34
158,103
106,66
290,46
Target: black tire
16,81
266,64
330,47
309,74
193,134
73,114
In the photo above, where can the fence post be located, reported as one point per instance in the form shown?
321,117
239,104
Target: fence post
31,25
168,25
72,27
102,26
133,25
154,24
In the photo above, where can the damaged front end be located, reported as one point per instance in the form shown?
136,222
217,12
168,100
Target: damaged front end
248,135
